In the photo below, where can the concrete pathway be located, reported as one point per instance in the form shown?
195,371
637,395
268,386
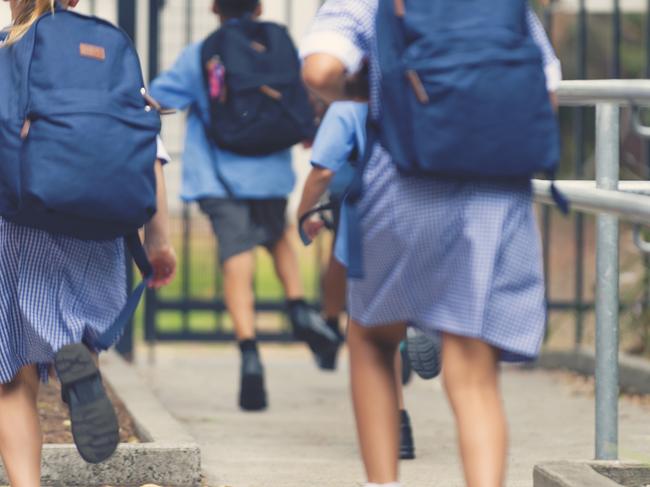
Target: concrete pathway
307,437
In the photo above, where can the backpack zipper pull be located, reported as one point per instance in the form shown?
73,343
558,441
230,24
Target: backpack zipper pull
24,131
152,103
271,92
400,8
418,87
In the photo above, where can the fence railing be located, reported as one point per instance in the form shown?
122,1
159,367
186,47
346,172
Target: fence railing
611,200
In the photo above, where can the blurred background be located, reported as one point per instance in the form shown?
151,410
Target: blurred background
594,39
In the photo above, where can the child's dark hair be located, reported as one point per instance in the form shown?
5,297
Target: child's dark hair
236,8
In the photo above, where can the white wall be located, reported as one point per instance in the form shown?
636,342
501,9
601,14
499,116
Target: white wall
5,17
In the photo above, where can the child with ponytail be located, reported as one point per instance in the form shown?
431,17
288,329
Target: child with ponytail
57,291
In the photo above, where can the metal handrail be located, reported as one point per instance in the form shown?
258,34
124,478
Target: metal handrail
611,200
584,196
593,92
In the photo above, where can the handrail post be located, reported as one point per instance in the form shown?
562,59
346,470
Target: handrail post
607,287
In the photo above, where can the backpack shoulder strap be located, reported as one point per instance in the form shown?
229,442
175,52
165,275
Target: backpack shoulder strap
110,336
355,251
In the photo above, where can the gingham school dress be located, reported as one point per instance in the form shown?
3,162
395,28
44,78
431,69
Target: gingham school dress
456,257
54,291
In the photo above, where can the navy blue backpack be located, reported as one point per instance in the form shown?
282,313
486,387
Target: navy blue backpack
258,101
77,136
463,96
463,90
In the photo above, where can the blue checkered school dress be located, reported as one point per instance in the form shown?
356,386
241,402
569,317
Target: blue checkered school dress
54,291
456,257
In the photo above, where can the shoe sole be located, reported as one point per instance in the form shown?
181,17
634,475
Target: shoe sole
407,455
94,425
424,354
252,396
327,362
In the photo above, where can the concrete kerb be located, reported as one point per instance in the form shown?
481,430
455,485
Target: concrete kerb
592,474
169,456
634,371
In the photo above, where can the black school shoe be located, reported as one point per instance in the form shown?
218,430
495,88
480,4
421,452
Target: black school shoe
94,423
406,444
308,326
252,395
407,371
327,359
424,352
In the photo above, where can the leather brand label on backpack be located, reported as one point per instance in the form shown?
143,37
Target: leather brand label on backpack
93,52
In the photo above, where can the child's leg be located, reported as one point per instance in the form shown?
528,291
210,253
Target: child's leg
334,286
287,267
374,392
398,379
471,376
238,273
307,324
20,429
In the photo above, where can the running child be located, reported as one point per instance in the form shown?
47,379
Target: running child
243,187
460,258
57,292
339,145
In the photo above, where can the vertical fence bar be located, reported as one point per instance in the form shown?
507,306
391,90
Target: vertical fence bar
154,37
126,15
579,138
186,267
646,257
151,299
616,29
546,211
288,14
607,292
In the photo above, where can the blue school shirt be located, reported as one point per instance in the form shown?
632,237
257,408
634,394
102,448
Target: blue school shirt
182,87
342,131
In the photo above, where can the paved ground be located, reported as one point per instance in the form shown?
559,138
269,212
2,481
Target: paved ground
307,437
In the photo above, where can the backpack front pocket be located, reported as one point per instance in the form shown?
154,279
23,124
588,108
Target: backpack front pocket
92,163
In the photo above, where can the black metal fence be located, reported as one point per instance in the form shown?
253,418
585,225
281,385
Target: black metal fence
578,30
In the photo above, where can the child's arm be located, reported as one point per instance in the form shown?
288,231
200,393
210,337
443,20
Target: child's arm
317,183
339,40
156,236
179,87
327,76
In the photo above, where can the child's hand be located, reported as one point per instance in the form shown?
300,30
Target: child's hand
163,260
313,227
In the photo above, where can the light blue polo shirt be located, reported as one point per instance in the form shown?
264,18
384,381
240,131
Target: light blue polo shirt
250,177
342,131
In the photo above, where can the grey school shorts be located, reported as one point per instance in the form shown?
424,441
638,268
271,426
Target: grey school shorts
242,225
